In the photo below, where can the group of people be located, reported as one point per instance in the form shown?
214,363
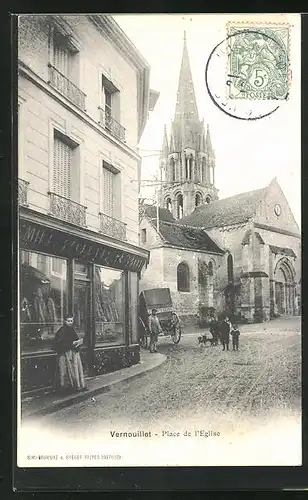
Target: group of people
69,370
221,330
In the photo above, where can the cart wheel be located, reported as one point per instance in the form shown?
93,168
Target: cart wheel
143,336
176,329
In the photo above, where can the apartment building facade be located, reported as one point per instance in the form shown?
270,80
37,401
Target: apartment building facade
83,102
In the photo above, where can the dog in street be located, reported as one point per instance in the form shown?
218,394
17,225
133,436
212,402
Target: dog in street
203,339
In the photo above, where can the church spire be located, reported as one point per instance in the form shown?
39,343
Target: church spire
208,141
186,105
165,148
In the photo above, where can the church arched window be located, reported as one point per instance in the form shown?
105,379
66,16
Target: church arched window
188,167
183,280
230,268
190,161
179,206
203,169
172,169
210,268
208,199
198,200
168,203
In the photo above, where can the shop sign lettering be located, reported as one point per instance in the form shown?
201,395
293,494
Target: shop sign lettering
34,237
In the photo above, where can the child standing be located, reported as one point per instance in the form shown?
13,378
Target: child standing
154,328
235,337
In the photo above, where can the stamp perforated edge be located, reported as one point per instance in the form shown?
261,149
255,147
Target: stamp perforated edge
260,24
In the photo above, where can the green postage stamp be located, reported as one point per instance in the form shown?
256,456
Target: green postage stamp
258,61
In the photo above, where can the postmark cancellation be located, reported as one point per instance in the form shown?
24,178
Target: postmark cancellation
258,66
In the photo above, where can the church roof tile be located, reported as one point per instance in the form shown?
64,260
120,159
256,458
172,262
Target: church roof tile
225,212
188,237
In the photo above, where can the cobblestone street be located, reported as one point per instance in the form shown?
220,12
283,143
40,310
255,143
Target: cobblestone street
263,375
251,397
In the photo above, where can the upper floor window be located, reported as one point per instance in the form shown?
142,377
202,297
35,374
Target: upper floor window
110,109
62,167
110,189
183,280
64,69
62,55
66,159
65,190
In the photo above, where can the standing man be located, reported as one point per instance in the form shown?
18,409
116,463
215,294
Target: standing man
154,328
225,329
214,328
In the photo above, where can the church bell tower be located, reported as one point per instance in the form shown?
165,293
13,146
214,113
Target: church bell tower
187,159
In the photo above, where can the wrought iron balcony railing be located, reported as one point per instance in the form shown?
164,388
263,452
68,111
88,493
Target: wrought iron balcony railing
23,192
110,124
67,210
112,227
66,87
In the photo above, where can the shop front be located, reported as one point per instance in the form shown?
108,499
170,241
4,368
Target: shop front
64,269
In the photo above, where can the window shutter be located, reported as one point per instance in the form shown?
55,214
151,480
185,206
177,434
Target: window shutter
62,168
61,59
109,191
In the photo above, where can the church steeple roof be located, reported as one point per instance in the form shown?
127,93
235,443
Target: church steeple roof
186,127
186,105
165,147
208,141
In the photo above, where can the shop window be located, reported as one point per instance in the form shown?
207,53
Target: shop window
183,279
143,235
109,305
133,307
43,301
82,300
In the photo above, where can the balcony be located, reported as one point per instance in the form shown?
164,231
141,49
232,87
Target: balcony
67,210
110,124
23,192
112,227
66,87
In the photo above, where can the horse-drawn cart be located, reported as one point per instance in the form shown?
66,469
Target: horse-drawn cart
159,299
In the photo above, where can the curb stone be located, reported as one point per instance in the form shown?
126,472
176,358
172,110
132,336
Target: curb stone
105,387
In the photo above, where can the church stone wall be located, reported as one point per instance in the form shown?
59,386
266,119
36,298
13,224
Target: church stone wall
152,276
186,304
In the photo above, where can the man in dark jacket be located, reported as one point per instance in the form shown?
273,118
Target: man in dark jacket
214,329
225,328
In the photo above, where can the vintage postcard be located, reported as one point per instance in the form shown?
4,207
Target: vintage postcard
159,314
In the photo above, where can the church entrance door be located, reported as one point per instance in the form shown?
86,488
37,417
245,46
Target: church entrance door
285,288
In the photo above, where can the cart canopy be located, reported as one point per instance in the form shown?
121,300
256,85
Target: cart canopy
157,298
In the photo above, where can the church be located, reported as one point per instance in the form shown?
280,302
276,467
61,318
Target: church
240,255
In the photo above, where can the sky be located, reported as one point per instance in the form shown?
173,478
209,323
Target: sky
249,154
